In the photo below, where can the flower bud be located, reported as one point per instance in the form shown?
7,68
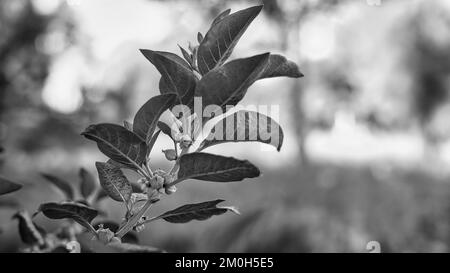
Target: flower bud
159,182
153,195
139,228
185,141
170,154
177,136
105,235
168,179
171,189
115,240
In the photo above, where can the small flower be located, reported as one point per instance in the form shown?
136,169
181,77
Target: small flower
105,235
153,195
185,141
170,154
168,178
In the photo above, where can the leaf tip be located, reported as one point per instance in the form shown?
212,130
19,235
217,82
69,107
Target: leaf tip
232,209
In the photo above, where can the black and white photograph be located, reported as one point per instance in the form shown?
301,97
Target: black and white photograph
242,128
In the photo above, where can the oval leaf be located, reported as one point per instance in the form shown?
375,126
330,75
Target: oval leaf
279,66
87,183
7,186
69,210
245,126
118,143
147,117
176,74
198,211
61,184
29,232
227,85
222,37
209,167
114,182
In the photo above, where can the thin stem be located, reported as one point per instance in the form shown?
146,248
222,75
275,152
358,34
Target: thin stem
132,222
142,172
92,230
177,163
149,170
176,148
152,219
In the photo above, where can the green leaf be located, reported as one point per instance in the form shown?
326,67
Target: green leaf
186,55
165,129
69,210
118,165
222,37
114,182
199,37
30,233
198,211
219,17
152,142
87,183
147,117
244,126
118,143
279,66
209,167
61,184
176,74
7,186
228,84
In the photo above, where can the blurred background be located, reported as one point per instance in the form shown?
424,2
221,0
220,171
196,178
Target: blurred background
367,138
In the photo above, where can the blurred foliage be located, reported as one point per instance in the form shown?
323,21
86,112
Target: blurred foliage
402,85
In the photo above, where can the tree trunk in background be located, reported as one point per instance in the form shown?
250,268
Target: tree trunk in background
296,94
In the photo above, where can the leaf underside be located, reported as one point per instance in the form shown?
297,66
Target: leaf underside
119,144
114,182
209,167
7,186
63,185
29,232
244,126
198,211
87,183
69,210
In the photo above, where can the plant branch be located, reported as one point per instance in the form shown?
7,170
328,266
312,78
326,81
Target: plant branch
91,229
133,221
